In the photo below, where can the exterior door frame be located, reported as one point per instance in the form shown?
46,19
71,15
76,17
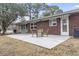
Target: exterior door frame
65,17
23,29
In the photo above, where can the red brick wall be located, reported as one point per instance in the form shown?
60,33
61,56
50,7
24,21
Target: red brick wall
52,29
45,25
73,22
42,25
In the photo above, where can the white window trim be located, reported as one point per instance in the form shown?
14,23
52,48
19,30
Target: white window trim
52,21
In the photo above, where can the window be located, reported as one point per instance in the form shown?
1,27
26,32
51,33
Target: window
64,24
53,22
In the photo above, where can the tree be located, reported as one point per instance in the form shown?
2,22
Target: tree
46,13
9,13
28,8
37,8
34,9
53,9
50,10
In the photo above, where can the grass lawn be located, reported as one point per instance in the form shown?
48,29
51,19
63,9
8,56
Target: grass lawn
9,46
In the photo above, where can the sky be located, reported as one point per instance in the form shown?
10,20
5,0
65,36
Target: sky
66,6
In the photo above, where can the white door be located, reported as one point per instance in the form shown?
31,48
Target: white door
65,25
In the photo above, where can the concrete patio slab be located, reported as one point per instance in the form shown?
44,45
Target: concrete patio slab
47,42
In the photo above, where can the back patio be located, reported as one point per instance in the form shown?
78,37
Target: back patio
49,41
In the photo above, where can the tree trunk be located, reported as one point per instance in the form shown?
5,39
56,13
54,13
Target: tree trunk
4,30
3,27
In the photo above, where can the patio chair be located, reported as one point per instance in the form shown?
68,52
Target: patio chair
39,32
33,32
46,32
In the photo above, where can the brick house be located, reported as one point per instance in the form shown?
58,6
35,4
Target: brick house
58,24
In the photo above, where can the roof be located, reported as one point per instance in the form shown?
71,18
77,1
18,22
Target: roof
48,17
68,12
